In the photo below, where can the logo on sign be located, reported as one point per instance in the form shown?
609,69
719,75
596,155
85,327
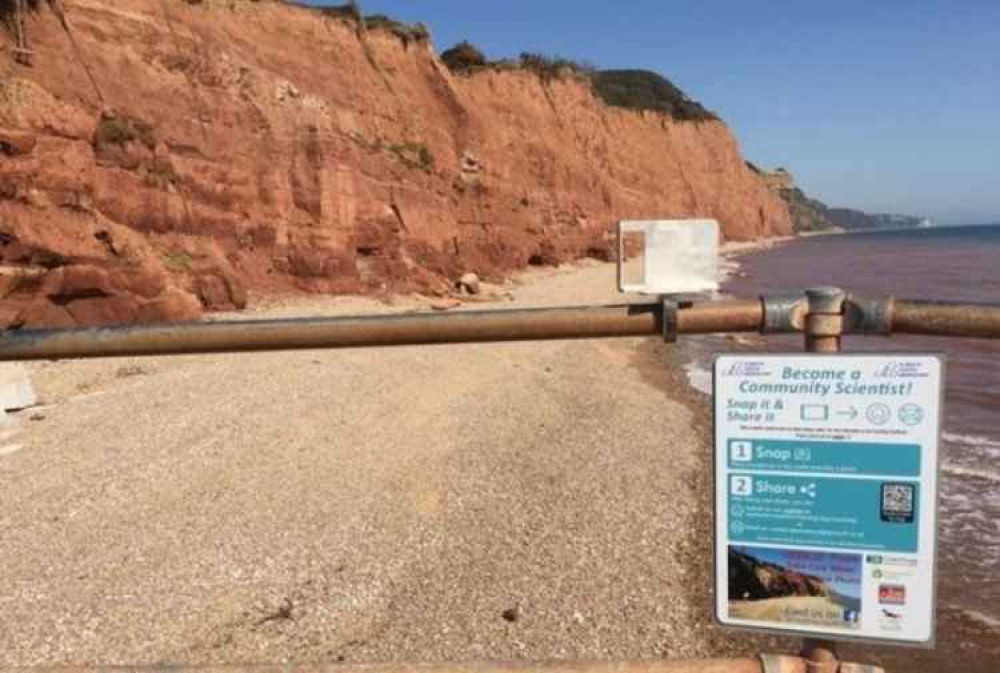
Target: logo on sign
901,369
747,369
892,594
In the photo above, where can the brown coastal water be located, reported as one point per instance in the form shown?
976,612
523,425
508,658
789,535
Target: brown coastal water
954,263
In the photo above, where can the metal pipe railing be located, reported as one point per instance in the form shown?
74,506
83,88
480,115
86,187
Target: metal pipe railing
939,318
576,322
775,664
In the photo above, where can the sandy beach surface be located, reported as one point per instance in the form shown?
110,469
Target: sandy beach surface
507,501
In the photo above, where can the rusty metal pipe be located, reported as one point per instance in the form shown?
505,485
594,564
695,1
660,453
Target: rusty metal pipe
939,318
788,665
577,322
740,315
705,666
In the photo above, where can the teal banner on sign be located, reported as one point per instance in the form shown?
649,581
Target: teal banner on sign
862,458
849,513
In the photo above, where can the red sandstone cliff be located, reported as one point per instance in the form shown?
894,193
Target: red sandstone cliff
223,147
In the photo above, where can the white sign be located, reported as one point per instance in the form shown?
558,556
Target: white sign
15,387
826,471
678,256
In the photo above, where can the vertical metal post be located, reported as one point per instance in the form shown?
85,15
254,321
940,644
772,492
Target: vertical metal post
825,319
824,326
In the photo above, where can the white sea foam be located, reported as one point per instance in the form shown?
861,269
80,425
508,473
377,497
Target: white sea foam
970,440
968,501
728,267
980,473
988,621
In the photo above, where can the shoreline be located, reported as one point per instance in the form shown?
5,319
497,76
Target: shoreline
966,635
743,247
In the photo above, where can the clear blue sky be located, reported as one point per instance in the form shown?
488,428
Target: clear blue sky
887,105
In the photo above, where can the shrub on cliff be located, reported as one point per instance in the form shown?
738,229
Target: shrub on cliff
646,90
553,67
7,8
413,155
463,57
349,11
416,32
118,131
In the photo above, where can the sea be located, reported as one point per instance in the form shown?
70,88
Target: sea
946,263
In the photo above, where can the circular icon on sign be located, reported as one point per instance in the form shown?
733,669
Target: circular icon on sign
737,527
878,413
736,510
911,414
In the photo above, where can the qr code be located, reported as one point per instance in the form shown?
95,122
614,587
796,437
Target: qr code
897,502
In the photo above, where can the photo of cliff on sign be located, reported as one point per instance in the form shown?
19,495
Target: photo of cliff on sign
793,586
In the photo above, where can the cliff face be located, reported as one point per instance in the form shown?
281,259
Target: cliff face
808,214
163,158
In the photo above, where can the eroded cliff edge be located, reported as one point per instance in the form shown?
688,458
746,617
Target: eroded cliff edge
164,158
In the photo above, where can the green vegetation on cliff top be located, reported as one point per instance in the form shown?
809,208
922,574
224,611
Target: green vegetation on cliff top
632,89
416,32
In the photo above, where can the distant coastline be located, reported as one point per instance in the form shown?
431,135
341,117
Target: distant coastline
812,215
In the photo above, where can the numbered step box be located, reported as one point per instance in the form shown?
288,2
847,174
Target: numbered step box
741,485
741,451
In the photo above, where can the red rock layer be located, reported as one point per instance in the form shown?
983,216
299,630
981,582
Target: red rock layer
161,159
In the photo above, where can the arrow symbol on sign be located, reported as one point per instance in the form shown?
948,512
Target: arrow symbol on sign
852,412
